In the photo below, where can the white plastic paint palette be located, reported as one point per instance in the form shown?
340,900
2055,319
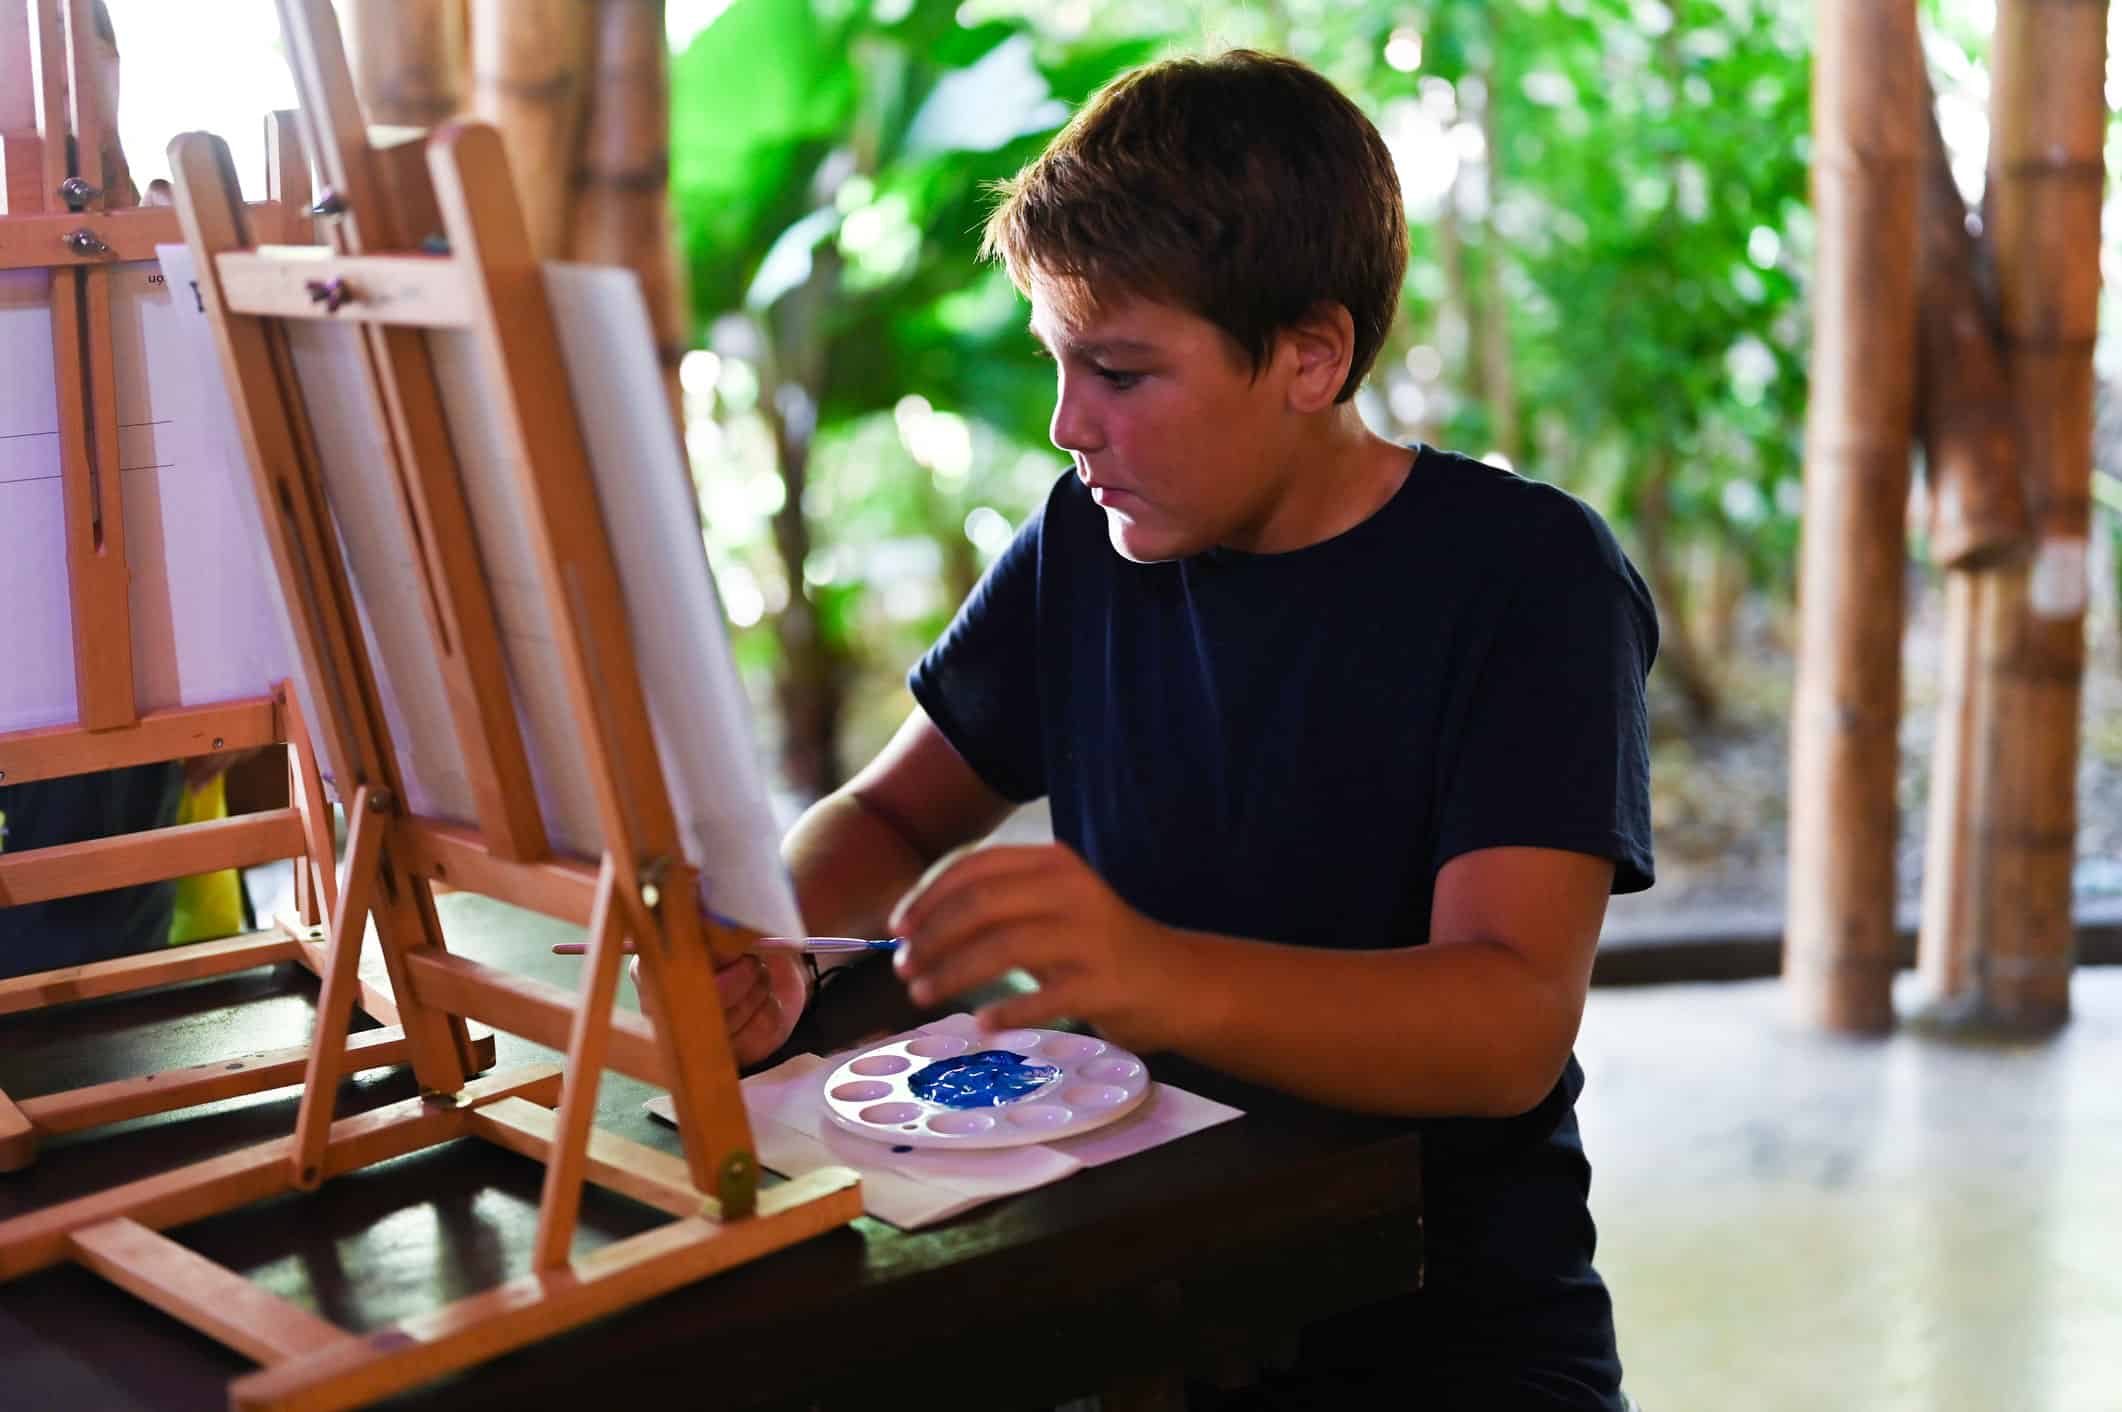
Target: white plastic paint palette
1002,1090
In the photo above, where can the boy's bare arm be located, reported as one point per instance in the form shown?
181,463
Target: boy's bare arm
1479,1023
852,856
856,852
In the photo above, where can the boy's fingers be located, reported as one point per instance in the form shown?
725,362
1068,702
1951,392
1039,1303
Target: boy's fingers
974,871
738,1015
1061,997
959,919
739,979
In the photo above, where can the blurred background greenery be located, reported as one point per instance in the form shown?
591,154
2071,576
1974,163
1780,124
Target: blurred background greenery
1611,245
1610,239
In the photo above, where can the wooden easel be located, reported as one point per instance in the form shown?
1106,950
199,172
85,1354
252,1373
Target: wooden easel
642,888
56,220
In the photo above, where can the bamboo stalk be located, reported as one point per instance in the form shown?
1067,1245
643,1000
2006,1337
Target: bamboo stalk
408,58
1965,411
2046,176
530,76
1979,528
622,206
1839,938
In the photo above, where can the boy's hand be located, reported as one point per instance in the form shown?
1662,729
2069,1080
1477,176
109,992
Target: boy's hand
1042,910
762,998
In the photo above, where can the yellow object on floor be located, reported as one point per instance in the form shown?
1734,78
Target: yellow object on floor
210,905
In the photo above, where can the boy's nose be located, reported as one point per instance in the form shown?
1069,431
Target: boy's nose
1070,429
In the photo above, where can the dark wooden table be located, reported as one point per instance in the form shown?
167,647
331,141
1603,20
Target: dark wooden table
1216,1242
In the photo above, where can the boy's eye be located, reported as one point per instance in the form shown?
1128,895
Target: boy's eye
1117,378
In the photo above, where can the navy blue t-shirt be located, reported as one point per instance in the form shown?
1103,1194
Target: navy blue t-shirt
1290,746
96,926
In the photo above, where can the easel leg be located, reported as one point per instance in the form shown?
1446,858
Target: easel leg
18,1136
306,793
568,1152
307,913
342,980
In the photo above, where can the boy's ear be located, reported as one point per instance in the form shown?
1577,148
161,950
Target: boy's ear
1321,345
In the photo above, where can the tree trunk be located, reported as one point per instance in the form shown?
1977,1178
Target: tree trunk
1867,115
813,683
408,58
530,74
2048,119
1679,654
1499,379
622,208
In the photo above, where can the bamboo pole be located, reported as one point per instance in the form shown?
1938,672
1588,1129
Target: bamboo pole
1867,96
119,192
622,208
1967,419
530,73
408,58
2048,118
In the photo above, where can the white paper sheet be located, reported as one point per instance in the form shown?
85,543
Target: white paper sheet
201,630
698,710
919,1186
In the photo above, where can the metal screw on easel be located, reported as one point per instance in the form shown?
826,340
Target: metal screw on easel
77,192
334,294
652,882
86,242
331,203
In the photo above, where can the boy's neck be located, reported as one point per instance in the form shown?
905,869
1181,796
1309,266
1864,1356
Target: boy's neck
1336,477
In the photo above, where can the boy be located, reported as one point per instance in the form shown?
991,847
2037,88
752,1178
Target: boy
1345,742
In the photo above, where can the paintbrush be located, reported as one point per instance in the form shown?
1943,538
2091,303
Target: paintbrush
803,945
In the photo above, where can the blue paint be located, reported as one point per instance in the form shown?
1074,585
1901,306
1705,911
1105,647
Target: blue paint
987,1078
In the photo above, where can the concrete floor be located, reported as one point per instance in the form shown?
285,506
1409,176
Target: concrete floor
1794,1221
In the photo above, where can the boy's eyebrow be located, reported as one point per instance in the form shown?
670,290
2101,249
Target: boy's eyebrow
1096,347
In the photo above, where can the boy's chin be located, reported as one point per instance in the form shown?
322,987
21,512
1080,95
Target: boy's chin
1139,544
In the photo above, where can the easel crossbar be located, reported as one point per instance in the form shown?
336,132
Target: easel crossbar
188,1286
39,240
130,973
310,282
536,1306
533,1009
43,1238
120,1099
641,1173
152,855
175,734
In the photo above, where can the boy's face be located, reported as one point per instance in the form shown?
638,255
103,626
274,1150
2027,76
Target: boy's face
1180,444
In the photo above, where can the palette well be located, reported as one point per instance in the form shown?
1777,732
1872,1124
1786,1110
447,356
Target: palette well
1001,1090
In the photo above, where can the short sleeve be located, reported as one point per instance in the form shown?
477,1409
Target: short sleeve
980,681
1554,746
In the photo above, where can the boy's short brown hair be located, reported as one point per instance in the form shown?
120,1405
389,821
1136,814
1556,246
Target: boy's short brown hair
1244,188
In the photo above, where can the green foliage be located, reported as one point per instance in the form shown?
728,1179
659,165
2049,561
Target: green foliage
1607,209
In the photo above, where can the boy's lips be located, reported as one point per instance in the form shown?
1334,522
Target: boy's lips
1111,496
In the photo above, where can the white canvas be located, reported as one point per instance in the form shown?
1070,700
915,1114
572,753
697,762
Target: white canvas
699,713
201,630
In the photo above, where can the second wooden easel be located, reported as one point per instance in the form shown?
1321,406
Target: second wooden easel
640,886
56,219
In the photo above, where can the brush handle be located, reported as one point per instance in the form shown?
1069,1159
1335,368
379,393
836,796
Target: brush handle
802,945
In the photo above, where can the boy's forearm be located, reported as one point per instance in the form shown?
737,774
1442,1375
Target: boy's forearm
1459,1029
850,866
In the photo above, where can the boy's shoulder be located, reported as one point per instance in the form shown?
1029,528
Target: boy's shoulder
1517,522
